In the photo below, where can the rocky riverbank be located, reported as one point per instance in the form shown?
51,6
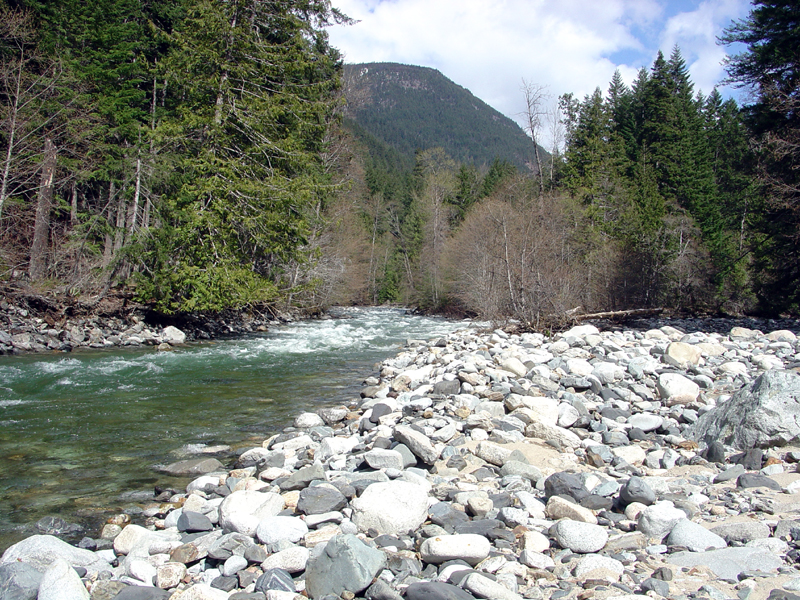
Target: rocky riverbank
39,324
656,463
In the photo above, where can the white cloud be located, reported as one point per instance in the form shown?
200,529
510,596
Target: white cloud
695,32
489,46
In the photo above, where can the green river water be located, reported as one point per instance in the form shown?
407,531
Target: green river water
82,434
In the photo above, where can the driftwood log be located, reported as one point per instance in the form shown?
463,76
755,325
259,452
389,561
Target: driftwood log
617,314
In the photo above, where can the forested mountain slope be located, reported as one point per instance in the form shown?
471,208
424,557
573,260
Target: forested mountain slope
416,108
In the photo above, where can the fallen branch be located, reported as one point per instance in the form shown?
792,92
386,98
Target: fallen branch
619,314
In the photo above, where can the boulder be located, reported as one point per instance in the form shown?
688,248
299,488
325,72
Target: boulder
764,414
242,511
40,551
19,581
273,530
677,389
172,335
391,507
61,582
345,563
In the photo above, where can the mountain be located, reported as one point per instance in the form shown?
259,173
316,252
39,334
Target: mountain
411,108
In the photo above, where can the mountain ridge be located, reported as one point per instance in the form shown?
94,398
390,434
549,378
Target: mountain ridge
411,108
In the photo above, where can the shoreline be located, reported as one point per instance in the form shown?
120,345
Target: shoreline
466,457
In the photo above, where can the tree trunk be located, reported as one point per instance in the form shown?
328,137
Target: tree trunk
44,202
73,207
108,248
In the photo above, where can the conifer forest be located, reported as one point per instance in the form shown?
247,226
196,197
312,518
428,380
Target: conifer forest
199,155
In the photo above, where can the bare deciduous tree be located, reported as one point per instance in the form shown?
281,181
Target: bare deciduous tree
535,112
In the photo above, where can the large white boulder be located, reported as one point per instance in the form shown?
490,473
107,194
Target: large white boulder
392,507
243,510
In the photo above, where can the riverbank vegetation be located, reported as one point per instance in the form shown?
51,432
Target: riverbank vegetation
199,155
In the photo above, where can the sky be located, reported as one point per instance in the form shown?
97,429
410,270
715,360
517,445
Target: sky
491,46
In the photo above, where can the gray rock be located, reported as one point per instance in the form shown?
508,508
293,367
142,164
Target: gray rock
651,584
657,521
292,560
301,478
434,590
272,530
194,466
727,563
763,414
580,537
316,500
483,587
752,480
380,458
417,442
19,581
743,532
138,592
694,537
275,579
61,582
521,469
40,551
471,548
230,544
731,472
392,507
345,563
191,522
172,335
565,484
637,490
380,590
592,562
645,421
243,510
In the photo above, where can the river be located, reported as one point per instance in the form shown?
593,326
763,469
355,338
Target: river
82,434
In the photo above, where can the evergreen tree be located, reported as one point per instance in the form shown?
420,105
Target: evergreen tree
770,67
256,82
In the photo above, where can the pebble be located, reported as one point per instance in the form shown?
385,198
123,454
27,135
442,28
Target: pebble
490,465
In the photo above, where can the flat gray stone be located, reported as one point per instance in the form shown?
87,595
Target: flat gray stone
417,442
483,587
435,590
727,563
61,582
194,466
694,537
743,532
319,499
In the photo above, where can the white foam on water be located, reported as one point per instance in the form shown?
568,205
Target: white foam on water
4,403
59,366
